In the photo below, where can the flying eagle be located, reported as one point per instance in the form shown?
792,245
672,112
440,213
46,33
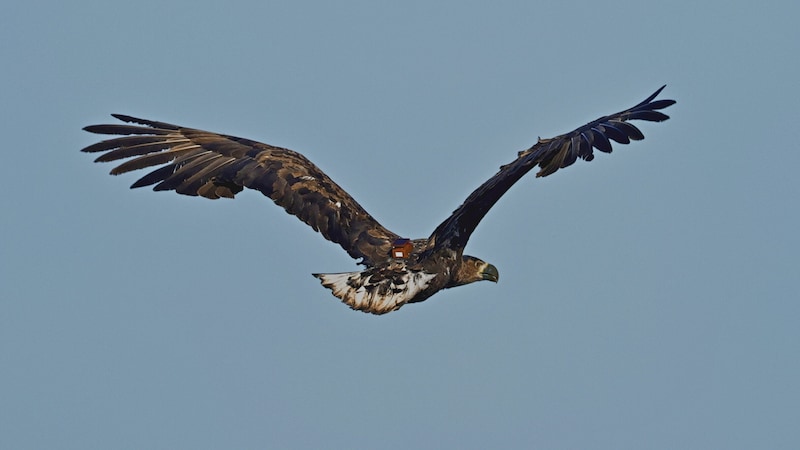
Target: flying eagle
397,270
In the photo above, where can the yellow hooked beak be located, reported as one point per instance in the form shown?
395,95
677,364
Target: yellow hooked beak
490,273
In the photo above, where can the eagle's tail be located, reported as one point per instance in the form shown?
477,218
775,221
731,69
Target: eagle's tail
373,292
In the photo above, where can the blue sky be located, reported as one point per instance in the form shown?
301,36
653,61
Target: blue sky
647,299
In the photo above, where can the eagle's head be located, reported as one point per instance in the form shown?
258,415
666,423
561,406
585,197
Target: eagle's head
473,269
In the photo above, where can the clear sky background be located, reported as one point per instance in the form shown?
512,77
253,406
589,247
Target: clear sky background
647,299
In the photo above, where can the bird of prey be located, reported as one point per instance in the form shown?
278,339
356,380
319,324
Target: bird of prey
396,270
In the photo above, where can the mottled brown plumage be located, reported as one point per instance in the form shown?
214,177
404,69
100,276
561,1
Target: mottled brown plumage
211,165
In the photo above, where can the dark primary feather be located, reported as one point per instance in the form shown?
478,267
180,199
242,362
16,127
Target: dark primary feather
214,165
549,155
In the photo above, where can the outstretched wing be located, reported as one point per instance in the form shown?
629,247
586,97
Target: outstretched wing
550,155
212,165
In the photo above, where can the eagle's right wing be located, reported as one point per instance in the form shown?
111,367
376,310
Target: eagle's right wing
549,155
212,165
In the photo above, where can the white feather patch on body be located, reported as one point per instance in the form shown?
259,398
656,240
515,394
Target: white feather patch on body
356,290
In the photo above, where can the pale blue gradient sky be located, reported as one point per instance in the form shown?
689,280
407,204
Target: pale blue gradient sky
648,299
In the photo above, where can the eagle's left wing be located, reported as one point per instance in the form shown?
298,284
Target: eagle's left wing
549,155
202,163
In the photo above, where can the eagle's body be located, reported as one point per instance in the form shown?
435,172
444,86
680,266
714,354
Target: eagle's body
212,165
387,286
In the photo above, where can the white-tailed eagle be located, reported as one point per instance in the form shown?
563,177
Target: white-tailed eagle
397,271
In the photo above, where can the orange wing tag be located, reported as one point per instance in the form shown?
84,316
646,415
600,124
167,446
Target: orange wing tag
402,248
